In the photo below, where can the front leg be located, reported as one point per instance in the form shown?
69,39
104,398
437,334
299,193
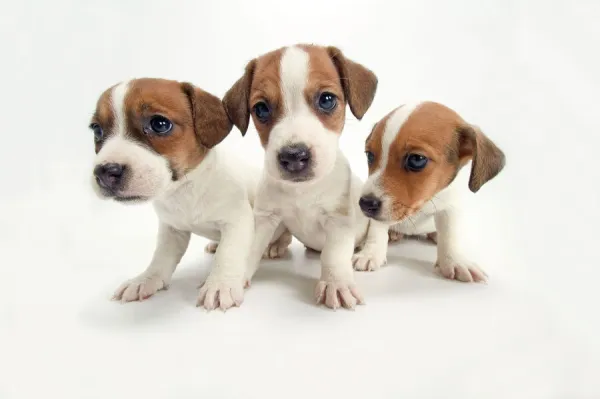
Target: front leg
373,254
337,287
266,224
171,245
224,286
450,263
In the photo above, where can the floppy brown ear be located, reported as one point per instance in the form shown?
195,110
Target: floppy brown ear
211,123
487,159
236,99
359,83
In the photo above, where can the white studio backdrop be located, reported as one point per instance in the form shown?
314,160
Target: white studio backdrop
525,71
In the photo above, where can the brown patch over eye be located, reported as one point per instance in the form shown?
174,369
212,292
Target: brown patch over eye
265,94
423,159
102,120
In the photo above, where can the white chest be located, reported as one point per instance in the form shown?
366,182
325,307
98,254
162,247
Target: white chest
186,216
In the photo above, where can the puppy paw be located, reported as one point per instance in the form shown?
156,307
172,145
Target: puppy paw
139,288
394,236
279,247
368,260
464,271
335,294
221,293
211,247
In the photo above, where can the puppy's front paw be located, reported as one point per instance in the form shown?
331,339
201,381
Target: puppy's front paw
279,247
222,293
462,270
336,293
139,288
368,260
394,236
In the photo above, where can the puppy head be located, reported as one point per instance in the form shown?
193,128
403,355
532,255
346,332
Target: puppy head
297,98
149,133
415,152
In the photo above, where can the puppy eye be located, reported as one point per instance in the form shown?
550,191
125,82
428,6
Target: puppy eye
370,157
327,102
262,111
98,133
415,162
159,125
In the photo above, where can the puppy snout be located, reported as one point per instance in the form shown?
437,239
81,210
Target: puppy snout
370,205
109,175
294,158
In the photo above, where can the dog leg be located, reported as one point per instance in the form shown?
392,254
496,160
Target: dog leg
279,246
224,286
450,263
337,287
170,247
373,254
394,236
265,226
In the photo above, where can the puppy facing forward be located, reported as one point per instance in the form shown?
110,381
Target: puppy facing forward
414,155
297,98
154,141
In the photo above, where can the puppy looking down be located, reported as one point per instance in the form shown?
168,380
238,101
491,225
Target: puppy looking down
414,154
155,141
297,98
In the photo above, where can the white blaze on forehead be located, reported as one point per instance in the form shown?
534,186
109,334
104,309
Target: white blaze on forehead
392,127
118,95
294,76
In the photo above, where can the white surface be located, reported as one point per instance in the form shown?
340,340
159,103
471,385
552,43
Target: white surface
525,71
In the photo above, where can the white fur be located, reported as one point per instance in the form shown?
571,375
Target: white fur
323,212
298,123
214,200
441,214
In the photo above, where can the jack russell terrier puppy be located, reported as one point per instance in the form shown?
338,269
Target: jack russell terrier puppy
297,97
154,141
414,154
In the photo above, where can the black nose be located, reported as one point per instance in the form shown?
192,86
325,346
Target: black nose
294,158
370,205
109,175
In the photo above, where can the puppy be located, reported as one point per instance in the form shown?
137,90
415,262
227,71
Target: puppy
297,97
154,141
414,154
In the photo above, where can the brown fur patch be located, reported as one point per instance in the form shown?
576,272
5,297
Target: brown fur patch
439,133
329,71
199,120
104,116
360,83
373,142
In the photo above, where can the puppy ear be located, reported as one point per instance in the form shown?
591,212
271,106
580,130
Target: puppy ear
236,99
211,123
487,159
358,82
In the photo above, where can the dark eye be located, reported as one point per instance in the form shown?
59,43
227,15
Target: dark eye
327,102
370,157
159,125
98,133
262,111
415,162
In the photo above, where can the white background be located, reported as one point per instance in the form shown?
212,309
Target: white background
525,71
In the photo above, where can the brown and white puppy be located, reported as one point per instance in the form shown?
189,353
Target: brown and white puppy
414,154
154,141
297,98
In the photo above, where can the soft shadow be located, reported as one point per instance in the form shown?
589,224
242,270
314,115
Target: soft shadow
302,285
165,304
